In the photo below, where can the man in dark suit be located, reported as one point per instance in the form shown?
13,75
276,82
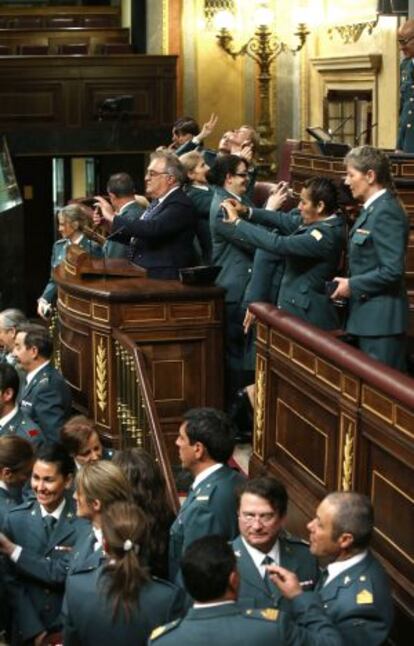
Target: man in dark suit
46,397
161,239
38,539
263,540
12,420
354,589
121,192
211,578
205,443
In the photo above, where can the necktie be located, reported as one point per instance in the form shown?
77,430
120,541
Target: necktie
146,215
148,211
50,522
269,585
322,579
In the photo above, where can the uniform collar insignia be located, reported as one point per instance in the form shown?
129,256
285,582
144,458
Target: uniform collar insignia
237,553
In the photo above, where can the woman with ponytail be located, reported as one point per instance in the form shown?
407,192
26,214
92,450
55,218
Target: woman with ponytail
118,602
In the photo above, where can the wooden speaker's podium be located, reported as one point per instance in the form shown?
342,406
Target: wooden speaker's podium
178,327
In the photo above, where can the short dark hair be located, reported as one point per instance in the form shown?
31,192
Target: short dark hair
55,453
9,378
353,514
214,429
206,566
322,189
223,166
121,185
186,126
38,337
268,488
76,432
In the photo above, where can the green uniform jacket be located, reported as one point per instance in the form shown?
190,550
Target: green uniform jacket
229,625
294,555
21,425
59,254
405,139
48,401
210,509
359,603
201,198
377,246
312,256
234,257
42,567
88,614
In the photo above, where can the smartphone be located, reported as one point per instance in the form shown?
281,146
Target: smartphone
330,286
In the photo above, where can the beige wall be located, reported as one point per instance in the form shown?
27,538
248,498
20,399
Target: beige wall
214,82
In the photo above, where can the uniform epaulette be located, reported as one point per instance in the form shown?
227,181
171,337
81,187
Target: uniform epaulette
27,504
161,630
294,539
269,614
61,241
202,494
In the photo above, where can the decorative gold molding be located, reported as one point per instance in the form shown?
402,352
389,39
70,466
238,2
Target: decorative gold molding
101,376
353,32
348,458
259,408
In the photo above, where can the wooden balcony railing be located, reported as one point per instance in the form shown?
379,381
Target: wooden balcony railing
138,421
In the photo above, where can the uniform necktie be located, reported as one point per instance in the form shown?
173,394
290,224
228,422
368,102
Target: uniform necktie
269,585
50,522
322,579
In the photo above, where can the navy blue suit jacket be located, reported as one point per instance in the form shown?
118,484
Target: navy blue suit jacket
163,243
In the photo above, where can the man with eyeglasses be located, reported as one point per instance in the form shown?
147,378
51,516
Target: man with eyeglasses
263,541
405,141
161,238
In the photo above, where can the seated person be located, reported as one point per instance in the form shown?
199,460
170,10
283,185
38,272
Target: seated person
72,221
116,601
81,440
161,239
38,539
13,420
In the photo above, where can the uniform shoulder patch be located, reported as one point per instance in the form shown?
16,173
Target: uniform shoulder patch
315,233
161,630
364,597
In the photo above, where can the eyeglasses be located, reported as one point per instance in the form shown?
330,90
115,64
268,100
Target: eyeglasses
154,173
242,174
265,518
405,41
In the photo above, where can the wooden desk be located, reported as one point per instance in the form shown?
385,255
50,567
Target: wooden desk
179,329
330,418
